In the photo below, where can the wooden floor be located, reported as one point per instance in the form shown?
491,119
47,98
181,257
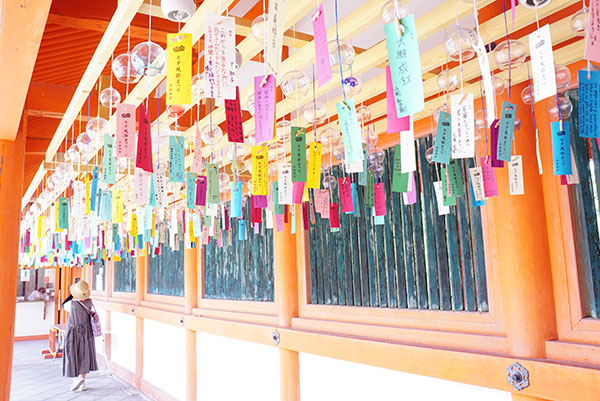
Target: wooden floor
36,379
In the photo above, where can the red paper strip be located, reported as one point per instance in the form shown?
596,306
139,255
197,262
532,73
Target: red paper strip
255,212
334,217
490,187
380,207
233,116
144,145
305,216
346,195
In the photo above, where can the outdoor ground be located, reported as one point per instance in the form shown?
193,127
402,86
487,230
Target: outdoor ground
35,378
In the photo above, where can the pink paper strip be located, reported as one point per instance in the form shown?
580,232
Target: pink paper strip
260,201
490,187
563,180
125,142
380,207
205,237
305,216
334,220
279,221
143,158
197,162
318,201
394,124
298,192
598,143
592,48
256,228
321,46
264,108
220,239
325,204
346,195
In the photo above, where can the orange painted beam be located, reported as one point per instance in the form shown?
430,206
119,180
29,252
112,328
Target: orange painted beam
22,27
12,156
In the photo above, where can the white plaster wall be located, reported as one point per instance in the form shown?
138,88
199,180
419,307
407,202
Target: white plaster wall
123,340
231,369
324,378
164,357
29,318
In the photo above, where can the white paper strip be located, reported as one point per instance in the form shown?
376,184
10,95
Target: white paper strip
542,64
463,128
486,77
285,185
477,182
515,175
408,161
274,34
219,52
442,210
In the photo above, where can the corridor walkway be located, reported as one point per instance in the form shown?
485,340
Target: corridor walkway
36,379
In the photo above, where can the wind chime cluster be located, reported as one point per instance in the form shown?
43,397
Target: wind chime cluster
149,192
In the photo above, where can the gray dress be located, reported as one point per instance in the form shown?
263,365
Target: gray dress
79,354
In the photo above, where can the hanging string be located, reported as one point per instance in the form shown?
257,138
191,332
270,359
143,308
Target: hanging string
128,61
87,156
537,19
212,156
534,123
508,43
589,64
460,61
485,125
337,39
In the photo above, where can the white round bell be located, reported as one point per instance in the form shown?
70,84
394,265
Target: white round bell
178,10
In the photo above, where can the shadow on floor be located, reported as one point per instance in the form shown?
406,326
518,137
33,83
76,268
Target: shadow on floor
35,378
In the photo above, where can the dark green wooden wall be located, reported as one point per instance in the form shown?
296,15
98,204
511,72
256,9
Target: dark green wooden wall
125,274
586,212
416,260
165,271
242,270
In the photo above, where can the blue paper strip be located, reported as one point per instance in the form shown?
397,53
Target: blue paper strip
506,131
561,148
589,104
236,199
443,139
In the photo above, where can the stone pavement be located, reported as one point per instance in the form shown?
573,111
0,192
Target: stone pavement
35,379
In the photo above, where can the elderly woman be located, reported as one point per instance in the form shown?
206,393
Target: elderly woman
80,348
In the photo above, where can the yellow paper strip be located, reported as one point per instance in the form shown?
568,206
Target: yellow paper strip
314,165
260,170
179,68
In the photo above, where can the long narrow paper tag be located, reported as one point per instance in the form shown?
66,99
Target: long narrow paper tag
125,136
63,213
346,195
179,68
236,200
443,139
495,128
297,192
176,159
395,125
197,161
399,179
506,131
201,191
285,184
109,168
298,154
321,46
515,176
160,185
334,217
477,183
233,117
542,63
220,68
486,77
141,187
442,209
463,129
405,65
589,103
379,195
370,190
455,178
561,148
350,132
449,198
592,48
490,187
408,160
213,196
264,108
274,33
143,158
313,179
260,170
190,190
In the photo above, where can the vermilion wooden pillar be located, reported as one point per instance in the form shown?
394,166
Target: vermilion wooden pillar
520,251
286,299
191,301
12,156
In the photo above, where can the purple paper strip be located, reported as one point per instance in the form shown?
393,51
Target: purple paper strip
201,191
264,107
494,139
279,220
260,201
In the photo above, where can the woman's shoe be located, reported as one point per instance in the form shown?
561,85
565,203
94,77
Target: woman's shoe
77,383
